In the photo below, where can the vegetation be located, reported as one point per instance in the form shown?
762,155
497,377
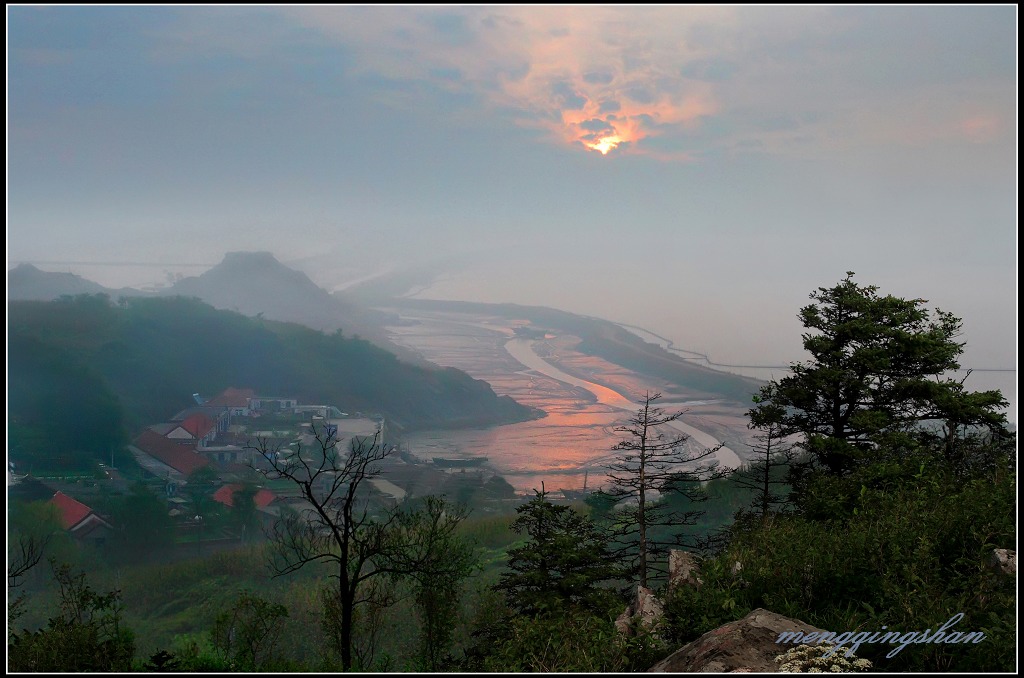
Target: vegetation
427,549
903,484
247,636
877,372
87,635
338,529
142,524
767,475
906,485
566,563
43,379
361,545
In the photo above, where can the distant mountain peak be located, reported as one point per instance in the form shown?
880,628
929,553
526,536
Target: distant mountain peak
248,273
260,258
257,283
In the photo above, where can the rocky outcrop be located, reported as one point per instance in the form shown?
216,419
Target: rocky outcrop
683,567
1004,561
645,611
743,646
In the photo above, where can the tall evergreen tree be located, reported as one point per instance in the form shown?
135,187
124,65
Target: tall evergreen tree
564,563
879,367
767,473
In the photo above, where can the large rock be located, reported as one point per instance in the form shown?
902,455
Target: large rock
1004,561
683,567
645,610
743,646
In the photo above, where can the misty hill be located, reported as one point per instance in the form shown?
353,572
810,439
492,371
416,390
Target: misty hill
610,342
26,282
140,360
256,283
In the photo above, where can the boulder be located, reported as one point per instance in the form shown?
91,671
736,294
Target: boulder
683,567
743,646
646,610
1004,561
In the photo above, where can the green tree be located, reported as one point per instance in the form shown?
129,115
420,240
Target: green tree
37,524
142,522
243,510
878,369
426,549
87,635
199,487
563,564
43,379
248,634
767,474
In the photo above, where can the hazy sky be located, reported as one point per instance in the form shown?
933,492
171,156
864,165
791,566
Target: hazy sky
696,170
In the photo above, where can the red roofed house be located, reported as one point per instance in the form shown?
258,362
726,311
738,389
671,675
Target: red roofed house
80,520
226,495
235,399
183,458
197,427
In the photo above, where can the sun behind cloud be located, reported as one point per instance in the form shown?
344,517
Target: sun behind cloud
668,82
603,79
605,144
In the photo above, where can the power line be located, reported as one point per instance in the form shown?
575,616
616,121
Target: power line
117,263
703,356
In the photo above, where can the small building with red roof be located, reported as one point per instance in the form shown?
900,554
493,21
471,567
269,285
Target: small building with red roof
235,399
183,458
80,520
226,495
196,427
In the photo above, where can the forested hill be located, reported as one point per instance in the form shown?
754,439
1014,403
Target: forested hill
147,356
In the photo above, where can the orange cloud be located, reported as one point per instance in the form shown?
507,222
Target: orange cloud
639,80
598,78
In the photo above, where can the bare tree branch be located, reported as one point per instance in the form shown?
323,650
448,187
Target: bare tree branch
653,466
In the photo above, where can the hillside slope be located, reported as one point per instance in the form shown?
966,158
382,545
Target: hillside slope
153,353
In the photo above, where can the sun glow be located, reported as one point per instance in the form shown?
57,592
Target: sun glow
605,144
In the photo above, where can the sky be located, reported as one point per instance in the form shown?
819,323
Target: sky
696,170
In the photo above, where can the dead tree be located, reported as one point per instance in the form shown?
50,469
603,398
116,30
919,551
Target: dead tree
336,527
653,466
24,553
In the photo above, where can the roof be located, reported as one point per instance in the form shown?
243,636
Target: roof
72,511
198,424
233,397
226,495
211,411
182,458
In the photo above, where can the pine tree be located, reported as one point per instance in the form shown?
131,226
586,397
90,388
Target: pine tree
564,563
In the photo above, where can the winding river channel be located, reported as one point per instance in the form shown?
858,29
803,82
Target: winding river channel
522,350
575,440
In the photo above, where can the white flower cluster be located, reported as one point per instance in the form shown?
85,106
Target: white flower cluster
813,659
